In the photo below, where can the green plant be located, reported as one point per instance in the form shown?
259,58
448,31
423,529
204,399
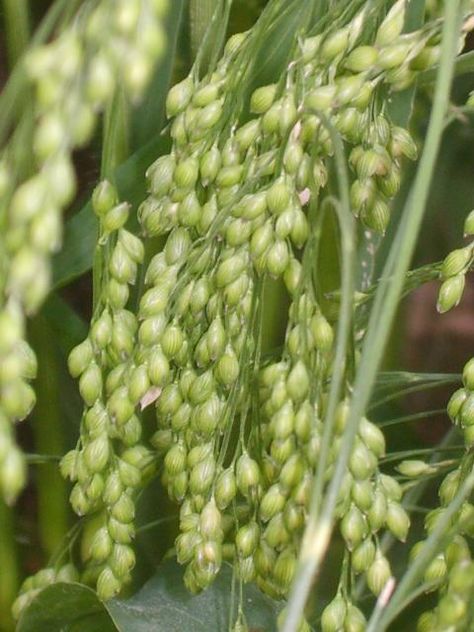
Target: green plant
265,442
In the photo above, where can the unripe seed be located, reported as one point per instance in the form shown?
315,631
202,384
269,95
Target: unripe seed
377,513
362,493
178,97
247,539
469,224
90,384
121,266
321,98
96,454
436,570
261,240
175,459
466,414
227,370
120,532
363,556
377,216
392,25
158,367
116,217
372,436
456,262
272,503
122,560
108,585
119,406
332,618
322,333
113,488
361,58
210,164
334,44
210,522
450,293
80,358
278,258
101,545
456,402
414,468
229,270
202,476
225,488
398,521
353,527
262,99
378,574
247,474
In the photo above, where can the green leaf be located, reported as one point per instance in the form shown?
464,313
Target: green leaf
162,605
61,607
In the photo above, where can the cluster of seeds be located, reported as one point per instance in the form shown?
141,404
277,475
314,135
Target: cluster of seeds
453,611
17,366
455,560
233,200
74,76
461,405
454,269
109,464
369,501
340,615
240,443
43,578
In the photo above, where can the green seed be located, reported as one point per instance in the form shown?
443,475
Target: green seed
378,574
361,59
178,97
334,614
456,262
450,293
262,99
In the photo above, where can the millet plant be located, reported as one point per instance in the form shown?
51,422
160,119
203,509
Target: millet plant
250,232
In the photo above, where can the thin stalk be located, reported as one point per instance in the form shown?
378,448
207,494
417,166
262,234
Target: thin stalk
9,571
114,151
17,28
48,427
309,552
319,528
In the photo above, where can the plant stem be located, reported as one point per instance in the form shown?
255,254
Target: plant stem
53,513
114,152
9,571
319,528
17,28
310,553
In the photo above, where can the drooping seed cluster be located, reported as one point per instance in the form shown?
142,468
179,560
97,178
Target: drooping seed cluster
109,463
232,200
454,270
74,77
369,502
453,611
455,560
